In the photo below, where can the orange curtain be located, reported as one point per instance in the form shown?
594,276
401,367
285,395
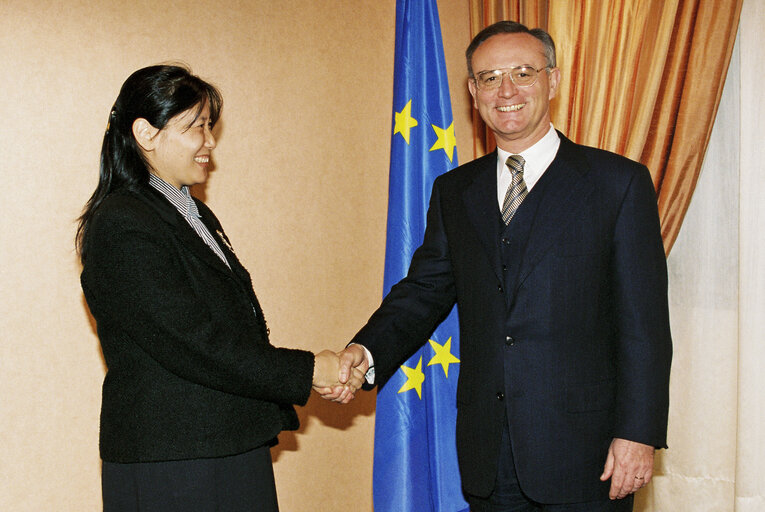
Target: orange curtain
642,79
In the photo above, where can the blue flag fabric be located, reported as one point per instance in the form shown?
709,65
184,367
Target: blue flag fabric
415,463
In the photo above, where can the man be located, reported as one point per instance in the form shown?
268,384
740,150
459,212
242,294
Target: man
552,252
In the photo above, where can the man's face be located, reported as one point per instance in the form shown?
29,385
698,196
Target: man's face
518,116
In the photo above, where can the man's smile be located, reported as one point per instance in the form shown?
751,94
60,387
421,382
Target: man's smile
511,108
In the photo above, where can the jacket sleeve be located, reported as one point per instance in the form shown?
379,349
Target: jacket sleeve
415,305
644,347
146,291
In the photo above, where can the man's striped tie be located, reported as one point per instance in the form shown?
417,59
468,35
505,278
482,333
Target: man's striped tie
517,191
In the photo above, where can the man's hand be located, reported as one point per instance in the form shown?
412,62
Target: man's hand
353,363
629,465
353,356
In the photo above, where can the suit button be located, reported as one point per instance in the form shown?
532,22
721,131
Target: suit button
499,287
504,267
506,241
500,396
509,341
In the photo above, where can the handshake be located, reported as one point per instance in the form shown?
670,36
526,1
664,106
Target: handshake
337,376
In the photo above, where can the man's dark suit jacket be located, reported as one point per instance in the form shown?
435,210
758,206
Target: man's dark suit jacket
564,325
191,373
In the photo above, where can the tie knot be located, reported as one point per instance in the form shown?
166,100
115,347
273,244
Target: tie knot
515,163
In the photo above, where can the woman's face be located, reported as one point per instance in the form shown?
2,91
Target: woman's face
182,149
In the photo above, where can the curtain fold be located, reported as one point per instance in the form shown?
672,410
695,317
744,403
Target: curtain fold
642,79
703,42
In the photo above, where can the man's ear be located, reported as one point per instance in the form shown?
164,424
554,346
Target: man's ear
554,82
473,92
145,134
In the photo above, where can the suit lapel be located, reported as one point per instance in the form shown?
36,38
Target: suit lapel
184,233
225,245
480,199
566,189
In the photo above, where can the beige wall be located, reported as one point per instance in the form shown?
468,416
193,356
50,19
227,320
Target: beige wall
300,185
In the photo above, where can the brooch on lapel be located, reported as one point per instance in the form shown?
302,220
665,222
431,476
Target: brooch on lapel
224,240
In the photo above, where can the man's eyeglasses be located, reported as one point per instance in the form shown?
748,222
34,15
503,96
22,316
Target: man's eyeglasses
522,76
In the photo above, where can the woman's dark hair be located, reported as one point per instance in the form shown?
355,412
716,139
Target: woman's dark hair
157,94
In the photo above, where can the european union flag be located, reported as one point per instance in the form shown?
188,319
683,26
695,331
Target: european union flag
415,466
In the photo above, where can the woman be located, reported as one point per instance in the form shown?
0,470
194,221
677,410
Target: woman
194,394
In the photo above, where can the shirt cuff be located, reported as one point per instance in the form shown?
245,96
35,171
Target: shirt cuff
370,375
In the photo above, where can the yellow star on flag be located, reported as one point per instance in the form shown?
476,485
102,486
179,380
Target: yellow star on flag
446,140
414,378
444,355
404,121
